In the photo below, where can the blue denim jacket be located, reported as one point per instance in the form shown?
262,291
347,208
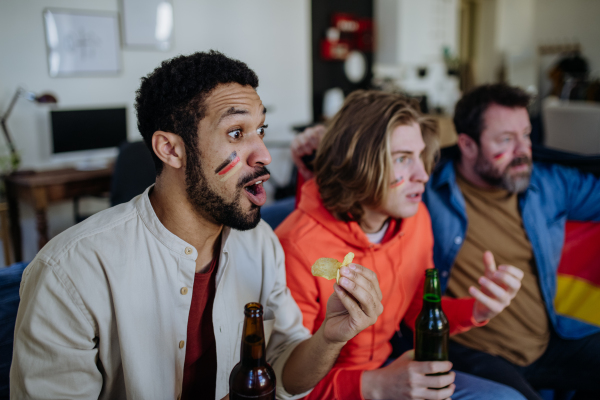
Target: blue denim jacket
556,194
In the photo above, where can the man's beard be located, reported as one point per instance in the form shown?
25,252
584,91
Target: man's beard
209,204
514,183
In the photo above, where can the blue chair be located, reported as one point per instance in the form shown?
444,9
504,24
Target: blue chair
10,281
276,212
134,172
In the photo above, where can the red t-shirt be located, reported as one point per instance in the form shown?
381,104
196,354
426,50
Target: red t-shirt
200,368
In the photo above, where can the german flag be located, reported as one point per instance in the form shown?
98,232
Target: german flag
578,281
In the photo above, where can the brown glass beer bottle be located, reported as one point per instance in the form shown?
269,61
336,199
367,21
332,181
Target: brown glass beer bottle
252,377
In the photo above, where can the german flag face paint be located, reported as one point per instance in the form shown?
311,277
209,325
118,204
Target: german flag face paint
499,156
229,167
397,183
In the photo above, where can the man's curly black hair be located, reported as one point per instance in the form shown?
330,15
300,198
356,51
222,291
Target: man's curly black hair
171,98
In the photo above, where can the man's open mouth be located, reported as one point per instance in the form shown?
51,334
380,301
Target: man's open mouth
256,192
255,188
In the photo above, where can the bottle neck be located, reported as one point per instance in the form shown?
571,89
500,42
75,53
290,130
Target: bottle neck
253,342
432,302
432,287
432,293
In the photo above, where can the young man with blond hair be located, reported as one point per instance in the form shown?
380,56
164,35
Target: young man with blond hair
371,169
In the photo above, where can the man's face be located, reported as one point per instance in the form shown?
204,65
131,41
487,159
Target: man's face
225,174
408,176
504,158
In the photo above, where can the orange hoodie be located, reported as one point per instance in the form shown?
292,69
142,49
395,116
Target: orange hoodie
406,251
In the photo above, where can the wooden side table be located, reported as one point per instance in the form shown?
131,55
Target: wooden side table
41,188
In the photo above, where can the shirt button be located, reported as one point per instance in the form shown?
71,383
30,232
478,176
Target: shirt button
184,290
181,344
188,250
444,273
458,240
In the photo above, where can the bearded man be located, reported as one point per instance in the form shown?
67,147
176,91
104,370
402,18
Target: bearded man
146,300
488,195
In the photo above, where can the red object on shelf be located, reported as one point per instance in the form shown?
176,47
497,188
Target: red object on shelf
345,22
334,50
347,32
364,38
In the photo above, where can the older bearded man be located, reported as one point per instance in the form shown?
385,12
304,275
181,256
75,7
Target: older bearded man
490,196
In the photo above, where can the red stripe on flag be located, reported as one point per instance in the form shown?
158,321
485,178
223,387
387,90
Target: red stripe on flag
581,252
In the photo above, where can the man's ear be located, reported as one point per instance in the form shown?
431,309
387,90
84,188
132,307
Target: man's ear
468,147
169,148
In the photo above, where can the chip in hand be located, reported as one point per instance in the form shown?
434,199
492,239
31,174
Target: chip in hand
329,268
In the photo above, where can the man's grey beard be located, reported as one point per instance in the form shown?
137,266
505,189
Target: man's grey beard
212,206
516,183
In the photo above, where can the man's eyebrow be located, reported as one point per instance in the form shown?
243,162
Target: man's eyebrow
232,111
402,152
236,111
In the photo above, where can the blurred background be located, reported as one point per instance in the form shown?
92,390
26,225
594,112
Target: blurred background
89,56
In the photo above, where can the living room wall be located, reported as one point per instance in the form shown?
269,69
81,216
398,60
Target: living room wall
271,36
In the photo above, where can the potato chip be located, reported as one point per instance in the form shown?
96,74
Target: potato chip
348,259
329,268
326,268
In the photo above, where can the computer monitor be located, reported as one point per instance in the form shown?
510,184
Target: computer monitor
88,137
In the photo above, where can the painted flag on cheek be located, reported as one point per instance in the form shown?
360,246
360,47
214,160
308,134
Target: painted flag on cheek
229,167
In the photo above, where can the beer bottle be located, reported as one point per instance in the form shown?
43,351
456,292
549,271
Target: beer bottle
431,328
252,377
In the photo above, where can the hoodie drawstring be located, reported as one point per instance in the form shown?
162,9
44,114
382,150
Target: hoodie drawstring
372,326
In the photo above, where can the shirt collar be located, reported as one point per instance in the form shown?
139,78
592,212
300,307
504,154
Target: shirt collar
166,237
446,174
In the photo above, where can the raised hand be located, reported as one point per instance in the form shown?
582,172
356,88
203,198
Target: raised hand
498,287
304,144
405,378
354,305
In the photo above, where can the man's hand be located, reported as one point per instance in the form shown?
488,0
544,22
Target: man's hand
354,306
225,398
498,287
407,379
305,144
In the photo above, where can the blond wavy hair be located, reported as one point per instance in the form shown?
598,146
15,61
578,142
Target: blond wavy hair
353,161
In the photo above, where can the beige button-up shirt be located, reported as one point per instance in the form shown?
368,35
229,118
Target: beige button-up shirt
104,308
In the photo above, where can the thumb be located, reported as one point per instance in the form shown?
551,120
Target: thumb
490,264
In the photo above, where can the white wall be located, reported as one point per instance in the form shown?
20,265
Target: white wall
271,36
510,32
415,32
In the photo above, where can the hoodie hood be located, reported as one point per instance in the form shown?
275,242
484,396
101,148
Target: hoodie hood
312,204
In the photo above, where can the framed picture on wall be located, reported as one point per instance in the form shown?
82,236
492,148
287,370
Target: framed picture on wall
147,24
82,42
